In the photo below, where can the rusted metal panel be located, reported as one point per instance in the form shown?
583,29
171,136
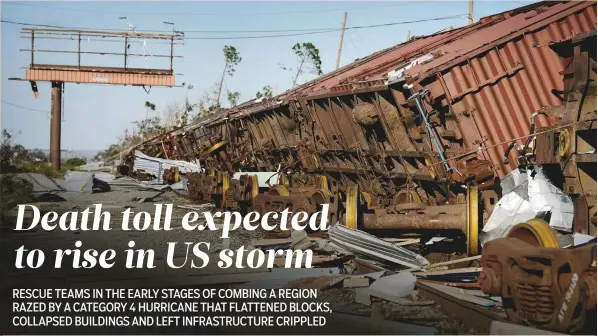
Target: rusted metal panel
495,93
99,77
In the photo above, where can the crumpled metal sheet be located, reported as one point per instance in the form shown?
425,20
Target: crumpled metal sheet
157,166
528,194
365,244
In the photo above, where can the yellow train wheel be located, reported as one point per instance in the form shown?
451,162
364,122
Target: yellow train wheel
283,179
225,180
471,230
405,196
215,147
564,142
322,182
321,196
351,206
279,190
255,186
535,232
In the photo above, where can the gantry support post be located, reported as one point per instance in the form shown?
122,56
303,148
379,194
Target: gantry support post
55,120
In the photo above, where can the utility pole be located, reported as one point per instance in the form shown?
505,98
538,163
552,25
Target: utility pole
470,11
56,98
408,35
340,44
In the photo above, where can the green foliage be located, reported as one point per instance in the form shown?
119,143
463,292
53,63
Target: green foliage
233,98
309,60
11,155
232,58
149,127
109,152
75,162
150,106
266,92
6,152
44,168
13,191
308,53
17,159
38,155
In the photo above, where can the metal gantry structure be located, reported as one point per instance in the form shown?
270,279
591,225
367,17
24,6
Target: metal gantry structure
123,74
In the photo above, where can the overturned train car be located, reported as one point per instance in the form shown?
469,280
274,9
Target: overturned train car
417,136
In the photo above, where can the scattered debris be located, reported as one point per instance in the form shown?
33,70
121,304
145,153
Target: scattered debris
504,328
526,195
49,197
98,185
462,295
435,240
353,282
391,288
456,261
155,167
197,207
362,243
272,243
575,239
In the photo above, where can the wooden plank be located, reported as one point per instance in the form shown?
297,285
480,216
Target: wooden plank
453,271
471,314
456,261
270,242
356,282
462,295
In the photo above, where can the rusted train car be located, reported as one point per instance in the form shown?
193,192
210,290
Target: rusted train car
416,136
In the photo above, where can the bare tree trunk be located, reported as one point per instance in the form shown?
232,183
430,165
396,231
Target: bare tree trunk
298,72
220,87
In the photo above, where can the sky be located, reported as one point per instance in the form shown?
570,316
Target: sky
96,115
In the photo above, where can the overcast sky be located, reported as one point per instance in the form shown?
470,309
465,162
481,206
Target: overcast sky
96,115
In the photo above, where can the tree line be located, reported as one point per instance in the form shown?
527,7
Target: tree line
211,101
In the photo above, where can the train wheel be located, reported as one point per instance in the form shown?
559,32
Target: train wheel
535,232
283,179
321,196
407,199
278,190
322,182
564,142
472,220
215,147
255,186
352,206
367,198
225,182
406,196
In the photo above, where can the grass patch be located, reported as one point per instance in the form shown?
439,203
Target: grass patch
46,168
13,191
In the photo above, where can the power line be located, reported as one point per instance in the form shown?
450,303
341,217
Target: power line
361,8
310,32
25,108
360,39
169,31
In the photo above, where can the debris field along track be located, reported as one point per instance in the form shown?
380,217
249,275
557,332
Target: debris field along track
471,314
416,136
